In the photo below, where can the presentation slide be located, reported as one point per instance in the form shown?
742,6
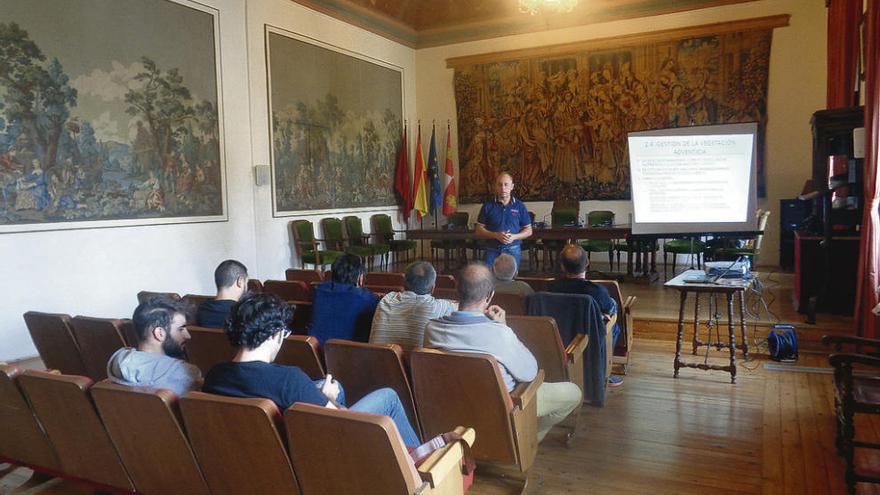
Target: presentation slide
693,179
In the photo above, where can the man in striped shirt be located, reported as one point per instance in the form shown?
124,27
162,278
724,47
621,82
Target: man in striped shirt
400,317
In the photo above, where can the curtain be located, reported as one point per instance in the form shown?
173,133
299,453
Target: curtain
843,51
867,285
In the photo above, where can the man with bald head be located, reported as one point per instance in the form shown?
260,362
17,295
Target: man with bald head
505,269
480,327
503,221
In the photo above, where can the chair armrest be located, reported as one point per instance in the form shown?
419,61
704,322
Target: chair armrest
840,360
612,319
629,303
838,341
577,346
524,393
444,461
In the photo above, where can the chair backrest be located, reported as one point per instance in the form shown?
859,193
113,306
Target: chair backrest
450,294
512,304
540,335
302,351
23,439
381,224
289,290
208,347
238,445
381,289
129,335
145,428
564,212
445,282
373,460
614,291
64,408
454,389
306,276
54,340
302,316
600,218
303,233
333,236
538,284
98,339
355,230
254,285
363,368
458,220
385,278
191,304
145,295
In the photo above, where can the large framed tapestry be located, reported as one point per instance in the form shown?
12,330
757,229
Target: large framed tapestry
336,124
109,114
557,118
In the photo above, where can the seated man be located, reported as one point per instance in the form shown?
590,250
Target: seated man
342,309
231,279
574,263
479,327
401,316
505,269
257,327
160,326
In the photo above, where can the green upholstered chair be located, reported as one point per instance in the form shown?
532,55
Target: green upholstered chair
564,212
598,218
383,227
334,235
631,248
359,243
456,221
675,247
478,248
752,247
307,247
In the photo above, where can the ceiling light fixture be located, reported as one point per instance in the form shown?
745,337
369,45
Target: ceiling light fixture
532,7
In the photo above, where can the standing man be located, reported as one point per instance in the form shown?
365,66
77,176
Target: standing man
504,221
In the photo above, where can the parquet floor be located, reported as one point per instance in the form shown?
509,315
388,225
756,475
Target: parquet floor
771,433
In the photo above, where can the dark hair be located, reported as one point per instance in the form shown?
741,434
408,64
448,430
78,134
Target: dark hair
475,282
255,318
154,313
574,259
347,268
504,267
420,277
227,272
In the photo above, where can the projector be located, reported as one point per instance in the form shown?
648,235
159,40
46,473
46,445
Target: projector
727,269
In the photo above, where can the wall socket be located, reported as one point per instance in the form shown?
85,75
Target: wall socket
262,175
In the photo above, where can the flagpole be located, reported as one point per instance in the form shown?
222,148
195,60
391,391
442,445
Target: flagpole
436,210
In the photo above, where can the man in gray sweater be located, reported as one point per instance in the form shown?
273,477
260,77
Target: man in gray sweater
480,327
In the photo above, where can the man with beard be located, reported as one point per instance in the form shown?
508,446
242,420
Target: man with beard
160,326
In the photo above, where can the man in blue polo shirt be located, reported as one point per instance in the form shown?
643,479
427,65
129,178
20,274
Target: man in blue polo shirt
504,221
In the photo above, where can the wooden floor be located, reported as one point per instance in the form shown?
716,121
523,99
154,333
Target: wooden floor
771,433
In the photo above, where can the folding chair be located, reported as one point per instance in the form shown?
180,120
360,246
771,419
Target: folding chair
53,338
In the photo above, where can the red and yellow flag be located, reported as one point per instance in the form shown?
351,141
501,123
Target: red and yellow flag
420,181
450,198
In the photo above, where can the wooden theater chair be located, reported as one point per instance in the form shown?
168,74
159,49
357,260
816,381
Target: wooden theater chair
23,440
302,316
381,290
512,304
145,295
145,429
388,279
306,276
129,336
560,363
64,408
208,347
302,351
191,304
373,460
623,350
363,368
445,282
538,284
454,389
288,290
54,341
237,444
98,339
445,293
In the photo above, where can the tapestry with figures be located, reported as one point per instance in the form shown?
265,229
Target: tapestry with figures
559,123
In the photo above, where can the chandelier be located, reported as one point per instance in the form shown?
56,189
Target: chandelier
532,7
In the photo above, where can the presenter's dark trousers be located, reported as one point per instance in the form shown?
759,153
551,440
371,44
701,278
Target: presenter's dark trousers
514,250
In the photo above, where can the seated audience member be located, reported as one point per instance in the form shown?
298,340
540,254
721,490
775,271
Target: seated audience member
342,309
231,279
401,316
257,327
160,325
481,328
505,269
574,264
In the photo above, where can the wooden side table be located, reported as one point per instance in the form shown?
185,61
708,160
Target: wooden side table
730,288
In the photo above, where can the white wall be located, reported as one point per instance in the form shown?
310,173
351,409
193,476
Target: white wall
796,90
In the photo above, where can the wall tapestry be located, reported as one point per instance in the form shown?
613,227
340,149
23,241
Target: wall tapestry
108,112
336,124
559,121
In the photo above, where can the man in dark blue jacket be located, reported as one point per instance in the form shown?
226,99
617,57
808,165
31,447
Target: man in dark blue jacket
342,309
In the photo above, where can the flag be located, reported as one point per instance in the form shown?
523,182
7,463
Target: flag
450,199
402,183
420,179
436,199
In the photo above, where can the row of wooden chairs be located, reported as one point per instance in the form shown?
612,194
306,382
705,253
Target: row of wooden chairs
126,439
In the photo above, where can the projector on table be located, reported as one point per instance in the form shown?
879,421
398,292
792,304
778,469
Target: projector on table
727,269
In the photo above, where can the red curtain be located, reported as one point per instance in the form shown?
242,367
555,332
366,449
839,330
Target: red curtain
867,286
843,51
